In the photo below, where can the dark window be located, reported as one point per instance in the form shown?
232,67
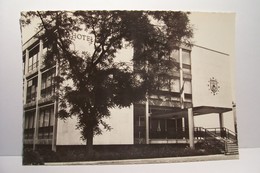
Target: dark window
29,125
31,90
47,86
33,59
46,122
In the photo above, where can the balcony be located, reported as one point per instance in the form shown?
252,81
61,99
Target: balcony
45,132
167,103
31,73
44,67
47,94
46,99
29,104
28,136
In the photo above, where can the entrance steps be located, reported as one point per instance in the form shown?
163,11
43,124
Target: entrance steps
220,138
231,149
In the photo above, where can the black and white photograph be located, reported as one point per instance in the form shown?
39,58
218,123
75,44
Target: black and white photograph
128,87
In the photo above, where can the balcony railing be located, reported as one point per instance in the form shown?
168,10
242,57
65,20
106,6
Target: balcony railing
28,133
30,104
45,132
31,97
46,99
48,91
179,133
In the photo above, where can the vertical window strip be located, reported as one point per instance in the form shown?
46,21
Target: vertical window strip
46,120
47,84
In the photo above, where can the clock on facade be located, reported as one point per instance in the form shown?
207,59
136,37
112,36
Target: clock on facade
213,85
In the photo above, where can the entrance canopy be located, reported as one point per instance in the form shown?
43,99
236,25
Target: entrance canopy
199,110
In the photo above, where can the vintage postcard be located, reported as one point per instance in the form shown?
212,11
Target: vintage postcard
128,87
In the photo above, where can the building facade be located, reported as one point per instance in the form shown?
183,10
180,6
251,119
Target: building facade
200,86
40,106
168,99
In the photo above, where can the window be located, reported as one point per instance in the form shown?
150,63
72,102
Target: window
165,84
31,90
187,87
46,122
175,85
175,55
46,48
29,124
47,86
33,58
186,57
186,62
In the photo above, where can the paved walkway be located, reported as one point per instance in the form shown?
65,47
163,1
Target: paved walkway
150,161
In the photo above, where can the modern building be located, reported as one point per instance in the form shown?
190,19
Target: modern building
199,103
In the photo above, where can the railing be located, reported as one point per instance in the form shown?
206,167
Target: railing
205,132
45,132
48,91
31,97
178,133
31,104
224,133
28,133
210,137
215,137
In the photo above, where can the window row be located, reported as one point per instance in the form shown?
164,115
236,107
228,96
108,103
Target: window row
45,123
29,124
174,85
34,57
47,86
186,59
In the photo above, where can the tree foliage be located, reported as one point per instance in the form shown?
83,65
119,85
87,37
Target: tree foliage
100,83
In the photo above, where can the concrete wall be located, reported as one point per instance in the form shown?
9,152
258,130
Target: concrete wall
208,64
121,121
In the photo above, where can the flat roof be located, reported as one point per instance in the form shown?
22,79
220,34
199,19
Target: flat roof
199,110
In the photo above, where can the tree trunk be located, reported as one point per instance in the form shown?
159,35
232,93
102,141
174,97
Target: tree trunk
90,135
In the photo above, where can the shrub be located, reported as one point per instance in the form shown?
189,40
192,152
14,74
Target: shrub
31,157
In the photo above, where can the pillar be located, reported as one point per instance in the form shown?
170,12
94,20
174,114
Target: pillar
221,125
181,78
221,121
147,119
235,117
191,128
38,96
56,110
54,136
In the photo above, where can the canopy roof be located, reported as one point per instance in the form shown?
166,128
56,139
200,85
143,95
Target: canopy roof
200,110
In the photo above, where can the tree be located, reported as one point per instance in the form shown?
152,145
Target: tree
100,83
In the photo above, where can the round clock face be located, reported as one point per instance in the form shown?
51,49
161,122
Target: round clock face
213,86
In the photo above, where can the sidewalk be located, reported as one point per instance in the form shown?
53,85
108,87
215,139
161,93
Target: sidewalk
150,161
